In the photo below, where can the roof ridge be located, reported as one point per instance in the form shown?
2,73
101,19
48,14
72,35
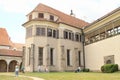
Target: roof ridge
59,11
63,17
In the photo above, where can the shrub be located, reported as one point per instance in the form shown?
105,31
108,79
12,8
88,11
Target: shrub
109,68
86,70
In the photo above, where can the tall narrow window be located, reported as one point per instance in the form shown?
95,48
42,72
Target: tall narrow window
40,58
68,57
49,32
70,35
77,37
73,36
51,17
54,33
79,58
65,35
51,56
40,15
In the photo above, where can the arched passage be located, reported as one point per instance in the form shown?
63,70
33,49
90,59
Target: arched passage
12,66
3,66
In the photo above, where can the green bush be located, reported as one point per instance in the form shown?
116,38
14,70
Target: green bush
86,70
109,68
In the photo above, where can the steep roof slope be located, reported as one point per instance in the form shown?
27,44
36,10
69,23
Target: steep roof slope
5,41
63,18
4,38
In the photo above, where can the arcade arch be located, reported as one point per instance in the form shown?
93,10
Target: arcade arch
3,66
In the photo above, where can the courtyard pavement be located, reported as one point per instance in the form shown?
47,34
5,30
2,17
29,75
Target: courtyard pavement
10,74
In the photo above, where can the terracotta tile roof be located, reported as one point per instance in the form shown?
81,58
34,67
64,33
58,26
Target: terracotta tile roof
18,46
63,18
7,52
4,38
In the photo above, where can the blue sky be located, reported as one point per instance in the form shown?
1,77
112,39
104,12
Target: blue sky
13,12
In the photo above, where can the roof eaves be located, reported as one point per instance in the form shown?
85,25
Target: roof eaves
40,20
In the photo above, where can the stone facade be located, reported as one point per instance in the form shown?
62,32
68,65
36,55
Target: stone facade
50,42
55,40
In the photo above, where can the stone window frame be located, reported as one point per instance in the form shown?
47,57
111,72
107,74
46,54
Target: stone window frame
68,34
109,58
40,15
51,17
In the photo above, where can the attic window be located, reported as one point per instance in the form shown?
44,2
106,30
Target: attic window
41,15
51,17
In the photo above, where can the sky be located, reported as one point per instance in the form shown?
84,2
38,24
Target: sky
13,12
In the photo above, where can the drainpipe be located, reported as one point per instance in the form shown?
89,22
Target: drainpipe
83,40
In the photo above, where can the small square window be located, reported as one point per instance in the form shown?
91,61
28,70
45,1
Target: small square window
51,17
41,15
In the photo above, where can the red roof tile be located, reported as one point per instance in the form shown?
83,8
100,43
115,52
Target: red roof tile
7,52
18,46
4,38
63,18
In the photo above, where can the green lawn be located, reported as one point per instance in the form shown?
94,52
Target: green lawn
6,77
76,76
65,76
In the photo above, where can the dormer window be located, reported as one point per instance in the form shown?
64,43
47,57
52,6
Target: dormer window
51,17
41,15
